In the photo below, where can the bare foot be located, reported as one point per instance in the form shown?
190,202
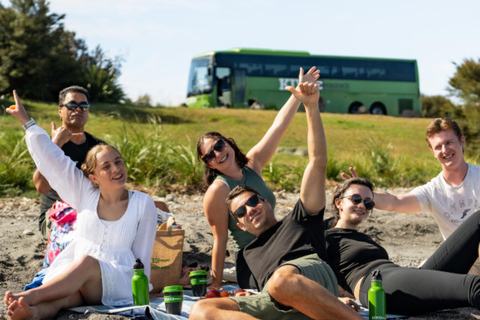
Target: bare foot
19,309
8,297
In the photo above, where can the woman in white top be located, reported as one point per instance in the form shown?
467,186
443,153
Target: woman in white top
114,227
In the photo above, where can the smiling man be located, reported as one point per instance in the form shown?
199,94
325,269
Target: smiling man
453,195
73,109
287,256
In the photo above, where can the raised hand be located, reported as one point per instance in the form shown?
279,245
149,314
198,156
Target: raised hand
19,111
62,135
306,92
311,76
353,173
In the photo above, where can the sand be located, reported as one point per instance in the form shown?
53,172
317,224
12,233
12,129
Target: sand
408,239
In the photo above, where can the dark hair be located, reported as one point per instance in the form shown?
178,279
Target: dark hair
344,186
439,125
238,190
78,89
211,174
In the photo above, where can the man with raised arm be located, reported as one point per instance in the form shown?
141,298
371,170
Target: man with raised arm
71,137
453,195
287,256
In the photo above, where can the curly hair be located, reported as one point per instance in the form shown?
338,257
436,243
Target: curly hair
210,174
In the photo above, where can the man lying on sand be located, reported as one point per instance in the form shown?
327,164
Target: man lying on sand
286,257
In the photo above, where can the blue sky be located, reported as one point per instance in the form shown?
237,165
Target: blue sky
158,38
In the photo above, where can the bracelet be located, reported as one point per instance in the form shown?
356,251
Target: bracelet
28,124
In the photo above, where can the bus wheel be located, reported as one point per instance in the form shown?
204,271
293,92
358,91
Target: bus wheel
378,108
355,107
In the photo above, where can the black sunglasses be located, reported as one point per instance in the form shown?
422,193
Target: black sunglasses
252,202
357,199
218,146
73,105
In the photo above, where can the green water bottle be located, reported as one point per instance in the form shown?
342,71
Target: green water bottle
140,285
376,298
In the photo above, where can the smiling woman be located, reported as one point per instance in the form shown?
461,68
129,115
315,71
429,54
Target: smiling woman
442,282
115,226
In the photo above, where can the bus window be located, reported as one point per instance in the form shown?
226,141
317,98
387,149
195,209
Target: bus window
275,70
199,81
253,69
239,77
224,87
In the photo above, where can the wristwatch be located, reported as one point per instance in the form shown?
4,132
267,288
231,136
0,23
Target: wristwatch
29,123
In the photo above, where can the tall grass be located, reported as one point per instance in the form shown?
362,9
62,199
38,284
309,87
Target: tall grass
156,163
16,166
158,145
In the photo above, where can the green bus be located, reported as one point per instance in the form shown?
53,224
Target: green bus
250,78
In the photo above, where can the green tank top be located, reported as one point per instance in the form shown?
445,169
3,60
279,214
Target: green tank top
251,179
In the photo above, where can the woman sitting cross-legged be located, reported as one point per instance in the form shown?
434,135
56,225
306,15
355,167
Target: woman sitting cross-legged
442,282
114,227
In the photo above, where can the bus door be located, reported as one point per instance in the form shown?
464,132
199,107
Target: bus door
223,77
239,82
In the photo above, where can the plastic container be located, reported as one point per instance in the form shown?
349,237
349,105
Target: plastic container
173,298
376,298
198,280
140,288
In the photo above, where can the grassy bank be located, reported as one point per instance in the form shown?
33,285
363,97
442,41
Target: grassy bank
158,145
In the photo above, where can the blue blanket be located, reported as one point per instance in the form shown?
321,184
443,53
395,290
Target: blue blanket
157,308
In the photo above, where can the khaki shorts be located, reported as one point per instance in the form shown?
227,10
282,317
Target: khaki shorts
262,306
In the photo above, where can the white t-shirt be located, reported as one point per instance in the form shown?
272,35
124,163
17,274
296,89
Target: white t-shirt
450,206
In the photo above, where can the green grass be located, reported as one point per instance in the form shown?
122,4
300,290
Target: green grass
158,145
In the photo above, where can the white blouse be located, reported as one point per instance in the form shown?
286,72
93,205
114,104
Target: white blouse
115,245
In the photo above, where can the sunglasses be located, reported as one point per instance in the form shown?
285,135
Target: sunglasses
252,202
219,146
73,105
357,199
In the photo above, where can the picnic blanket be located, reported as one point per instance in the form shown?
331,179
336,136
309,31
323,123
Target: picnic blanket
156,309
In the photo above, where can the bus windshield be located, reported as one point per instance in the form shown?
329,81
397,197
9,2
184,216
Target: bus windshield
200,79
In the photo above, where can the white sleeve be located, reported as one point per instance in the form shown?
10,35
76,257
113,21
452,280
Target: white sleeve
147,228
422,194
59,170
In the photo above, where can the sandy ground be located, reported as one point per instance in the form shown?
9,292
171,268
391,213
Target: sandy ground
408,239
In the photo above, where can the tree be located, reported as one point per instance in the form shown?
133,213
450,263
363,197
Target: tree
38,57
144,100
101,77
465,83
439,107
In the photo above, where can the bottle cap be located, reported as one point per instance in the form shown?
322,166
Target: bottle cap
198,273
376,276
138,265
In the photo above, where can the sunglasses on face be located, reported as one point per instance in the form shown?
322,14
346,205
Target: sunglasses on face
252,202
73,105
357,199
219,146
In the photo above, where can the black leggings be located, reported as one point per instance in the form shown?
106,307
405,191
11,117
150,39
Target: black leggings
441,283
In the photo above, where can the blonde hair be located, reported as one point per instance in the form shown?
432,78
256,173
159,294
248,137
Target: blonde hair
88,167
